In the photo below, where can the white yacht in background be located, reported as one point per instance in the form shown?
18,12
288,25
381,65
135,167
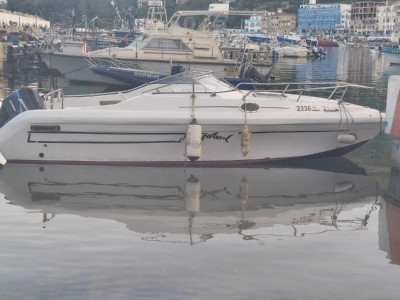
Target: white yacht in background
193,116
156,51
290,51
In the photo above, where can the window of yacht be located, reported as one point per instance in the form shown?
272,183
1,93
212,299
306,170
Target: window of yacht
166,44
136,43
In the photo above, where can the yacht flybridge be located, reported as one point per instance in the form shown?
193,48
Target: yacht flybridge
166,45
192,118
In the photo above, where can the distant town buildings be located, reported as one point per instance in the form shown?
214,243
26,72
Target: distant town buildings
253,25
364,17
320,17
271,22
361,18
345,20
387,18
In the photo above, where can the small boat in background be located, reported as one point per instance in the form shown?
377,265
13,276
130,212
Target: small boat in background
286,50
376,49
134,75
291,39
328,43
392,54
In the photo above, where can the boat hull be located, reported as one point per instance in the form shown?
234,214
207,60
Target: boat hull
149,143
76,68
393,59
325,43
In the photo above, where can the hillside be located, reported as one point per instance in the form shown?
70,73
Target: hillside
61,10
272,5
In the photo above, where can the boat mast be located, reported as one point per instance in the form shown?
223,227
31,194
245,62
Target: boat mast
157,11
117,13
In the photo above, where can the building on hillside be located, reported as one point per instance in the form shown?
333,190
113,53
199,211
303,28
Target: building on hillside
20,19
364,17
253,25
320,17
387,18
286,22
271,22
345,21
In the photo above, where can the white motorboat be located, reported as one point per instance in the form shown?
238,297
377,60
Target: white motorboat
190,116
290,51
392,54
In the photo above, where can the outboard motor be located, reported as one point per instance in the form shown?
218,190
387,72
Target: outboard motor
18,102
315,52
321,51
250,71
176,70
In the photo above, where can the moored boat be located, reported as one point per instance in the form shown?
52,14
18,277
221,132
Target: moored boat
392,54
198,118
328,43
155,51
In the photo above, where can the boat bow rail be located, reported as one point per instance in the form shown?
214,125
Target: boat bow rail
333,88
52,98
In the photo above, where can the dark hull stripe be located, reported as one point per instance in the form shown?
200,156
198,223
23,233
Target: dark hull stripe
143,142
335,152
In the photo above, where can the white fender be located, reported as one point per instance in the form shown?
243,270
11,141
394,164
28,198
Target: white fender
192,194
346,138
193,142
245,140
244,191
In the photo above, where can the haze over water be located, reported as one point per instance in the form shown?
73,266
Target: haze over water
308,229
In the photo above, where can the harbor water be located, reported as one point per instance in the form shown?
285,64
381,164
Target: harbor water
326,228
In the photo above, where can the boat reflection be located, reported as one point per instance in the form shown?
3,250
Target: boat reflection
193,205
389,214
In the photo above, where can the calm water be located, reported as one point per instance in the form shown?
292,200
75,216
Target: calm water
313,229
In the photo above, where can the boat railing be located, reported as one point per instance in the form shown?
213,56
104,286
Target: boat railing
112,63
334,88
52,98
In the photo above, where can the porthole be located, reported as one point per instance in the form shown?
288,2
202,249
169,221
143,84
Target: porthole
250,107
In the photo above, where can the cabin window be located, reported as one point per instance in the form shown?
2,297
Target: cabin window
166,44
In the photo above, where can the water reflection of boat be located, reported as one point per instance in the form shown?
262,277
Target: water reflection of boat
389,233
394,182
389,214
204,200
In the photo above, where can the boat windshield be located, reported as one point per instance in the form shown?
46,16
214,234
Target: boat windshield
199,81
136,43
